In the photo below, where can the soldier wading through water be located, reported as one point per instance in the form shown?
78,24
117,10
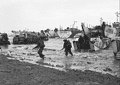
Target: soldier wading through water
40,46
67,46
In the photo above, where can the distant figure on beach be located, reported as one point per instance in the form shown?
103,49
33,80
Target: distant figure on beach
103,28
67,46
40,46
80,42
0,48
83,43
87,43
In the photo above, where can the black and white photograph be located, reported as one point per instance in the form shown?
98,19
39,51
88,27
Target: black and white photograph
59,42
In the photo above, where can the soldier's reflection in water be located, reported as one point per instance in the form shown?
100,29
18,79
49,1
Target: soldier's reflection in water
117,63
67,63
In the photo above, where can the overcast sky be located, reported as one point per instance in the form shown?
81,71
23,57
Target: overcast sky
36,15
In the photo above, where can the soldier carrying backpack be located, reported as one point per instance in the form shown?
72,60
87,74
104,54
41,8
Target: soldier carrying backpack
40,46
67,46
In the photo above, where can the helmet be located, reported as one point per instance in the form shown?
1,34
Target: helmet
65,40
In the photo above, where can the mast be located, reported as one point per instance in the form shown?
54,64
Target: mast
119,11
117,15
101,21
74,24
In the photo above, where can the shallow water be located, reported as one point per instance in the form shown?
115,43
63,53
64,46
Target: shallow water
100,61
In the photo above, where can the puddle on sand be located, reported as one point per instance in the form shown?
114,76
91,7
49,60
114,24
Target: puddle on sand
100,62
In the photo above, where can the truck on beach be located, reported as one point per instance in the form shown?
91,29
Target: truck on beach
28,38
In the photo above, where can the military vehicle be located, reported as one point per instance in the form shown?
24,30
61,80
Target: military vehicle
28,38
4,39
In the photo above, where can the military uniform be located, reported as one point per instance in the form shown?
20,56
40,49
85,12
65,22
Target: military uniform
67,46
40,46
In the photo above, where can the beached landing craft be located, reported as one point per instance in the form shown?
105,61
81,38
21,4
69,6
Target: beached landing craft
28,38
4,39
97,40
102,37
63,33
114,34
70,33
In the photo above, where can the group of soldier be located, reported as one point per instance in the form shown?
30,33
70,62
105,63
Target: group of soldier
66,46
83,44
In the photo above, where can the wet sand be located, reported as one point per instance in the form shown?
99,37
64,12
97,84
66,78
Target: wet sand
14,72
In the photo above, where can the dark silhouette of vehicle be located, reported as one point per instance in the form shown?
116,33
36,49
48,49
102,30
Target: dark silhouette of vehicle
4,39
28,38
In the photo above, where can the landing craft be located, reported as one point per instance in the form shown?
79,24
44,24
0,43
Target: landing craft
114,34
67,33
64,33
102,37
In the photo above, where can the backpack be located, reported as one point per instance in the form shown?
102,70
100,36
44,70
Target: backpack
41,43
69,43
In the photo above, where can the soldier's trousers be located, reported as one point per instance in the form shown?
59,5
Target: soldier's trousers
40,52
68,51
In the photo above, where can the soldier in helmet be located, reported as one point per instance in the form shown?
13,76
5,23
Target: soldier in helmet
40,46
67,46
